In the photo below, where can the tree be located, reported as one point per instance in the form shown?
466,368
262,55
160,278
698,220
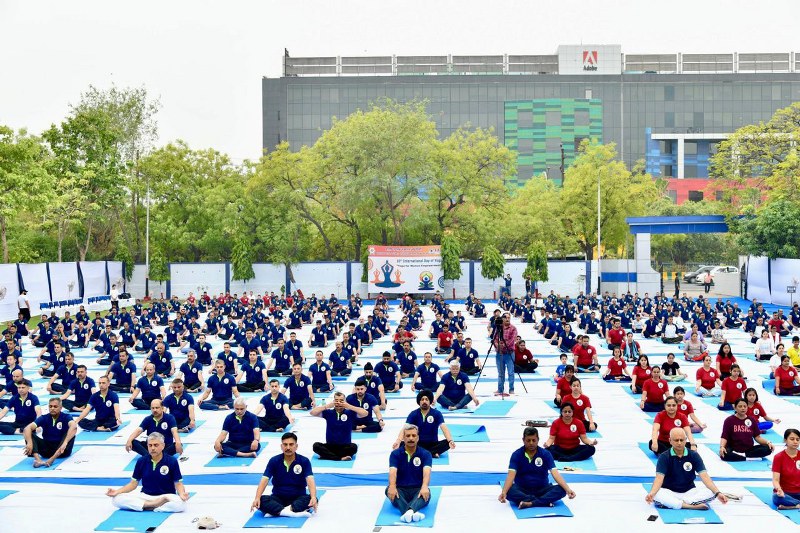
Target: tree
159,268
242,259
365,266
122,253
25,185
536,268
468,174
622,194
775,232
758,158
451,258
492,263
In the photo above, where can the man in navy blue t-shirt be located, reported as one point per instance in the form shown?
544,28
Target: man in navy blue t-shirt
242,432
162,483
105,403
527,484
58,435
409,476
290,474
338,445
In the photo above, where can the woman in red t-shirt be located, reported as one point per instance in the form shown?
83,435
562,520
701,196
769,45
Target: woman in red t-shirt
617,369
641,373
756,410
725,359
566,436
563,387
787,382
708,383
733,388
685,407
666,421
786,473
654,392
581,406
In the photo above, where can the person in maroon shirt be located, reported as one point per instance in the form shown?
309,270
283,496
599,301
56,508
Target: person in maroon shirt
524,362
581,405
654,393
733,388
786,473
787,380
739,432
615,335
563,387
444,341
585,356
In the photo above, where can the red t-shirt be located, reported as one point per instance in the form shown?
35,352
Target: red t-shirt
585,355
522,357
725,363
445,339
563,387
656,391
733,389
567,436
789,469
777,322
579,405
708,378
615,366
641,374
667,424
785,378
685,407
756,411
616,335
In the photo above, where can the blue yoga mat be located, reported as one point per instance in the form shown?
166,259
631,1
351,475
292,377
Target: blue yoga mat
586,465
685,516
357,435
558,509
17,437
494,408
4,493
751,465
133,521
390,516
222,462
26,465
627,388
316,462
468,433
99,436
258,520
442,460
769,385
714,402
339,378
772,436
273,434
645,447
765,495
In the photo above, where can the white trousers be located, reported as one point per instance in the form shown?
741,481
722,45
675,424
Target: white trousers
134,501
675,500
716,391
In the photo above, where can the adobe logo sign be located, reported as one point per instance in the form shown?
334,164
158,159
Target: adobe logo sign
590,60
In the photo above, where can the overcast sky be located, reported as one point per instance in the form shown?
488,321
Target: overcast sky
205,59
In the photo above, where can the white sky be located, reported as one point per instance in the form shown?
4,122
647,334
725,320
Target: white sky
205,59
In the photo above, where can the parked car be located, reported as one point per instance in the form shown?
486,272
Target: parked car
726,269
689,276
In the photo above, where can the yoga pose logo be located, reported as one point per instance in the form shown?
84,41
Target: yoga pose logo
386,269
426,281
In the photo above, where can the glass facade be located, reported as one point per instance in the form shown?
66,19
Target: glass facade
619,109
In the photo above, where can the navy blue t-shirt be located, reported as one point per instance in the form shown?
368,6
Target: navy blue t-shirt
410,467
83,391
289,481
123,375
240,430
454,388
221,388
298,390
340,426
679,472
54,429
273,409
24,410
150,388
179,407
369,402
104,406
428,425
157,478
163,426
531,472
428,376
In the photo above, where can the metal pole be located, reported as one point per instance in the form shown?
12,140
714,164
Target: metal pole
147,243
599,255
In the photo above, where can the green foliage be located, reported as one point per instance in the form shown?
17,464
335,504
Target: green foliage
159,268
622,194
242,259
775,232
492,263
536,267
122,253
451,257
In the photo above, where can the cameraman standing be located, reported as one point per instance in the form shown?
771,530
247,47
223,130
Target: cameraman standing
504,341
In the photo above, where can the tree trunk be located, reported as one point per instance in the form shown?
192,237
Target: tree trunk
3,237
60,239
358,243
82,250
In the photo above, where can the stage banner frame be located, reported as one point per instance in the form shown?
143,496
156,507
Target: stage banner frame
399,269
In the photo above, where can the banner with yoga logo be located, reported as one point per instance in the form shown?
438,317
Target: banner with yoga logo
399,269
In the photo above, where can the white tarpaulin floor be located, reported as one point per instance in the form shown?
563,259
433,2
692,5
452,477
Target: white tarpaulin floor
71,496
